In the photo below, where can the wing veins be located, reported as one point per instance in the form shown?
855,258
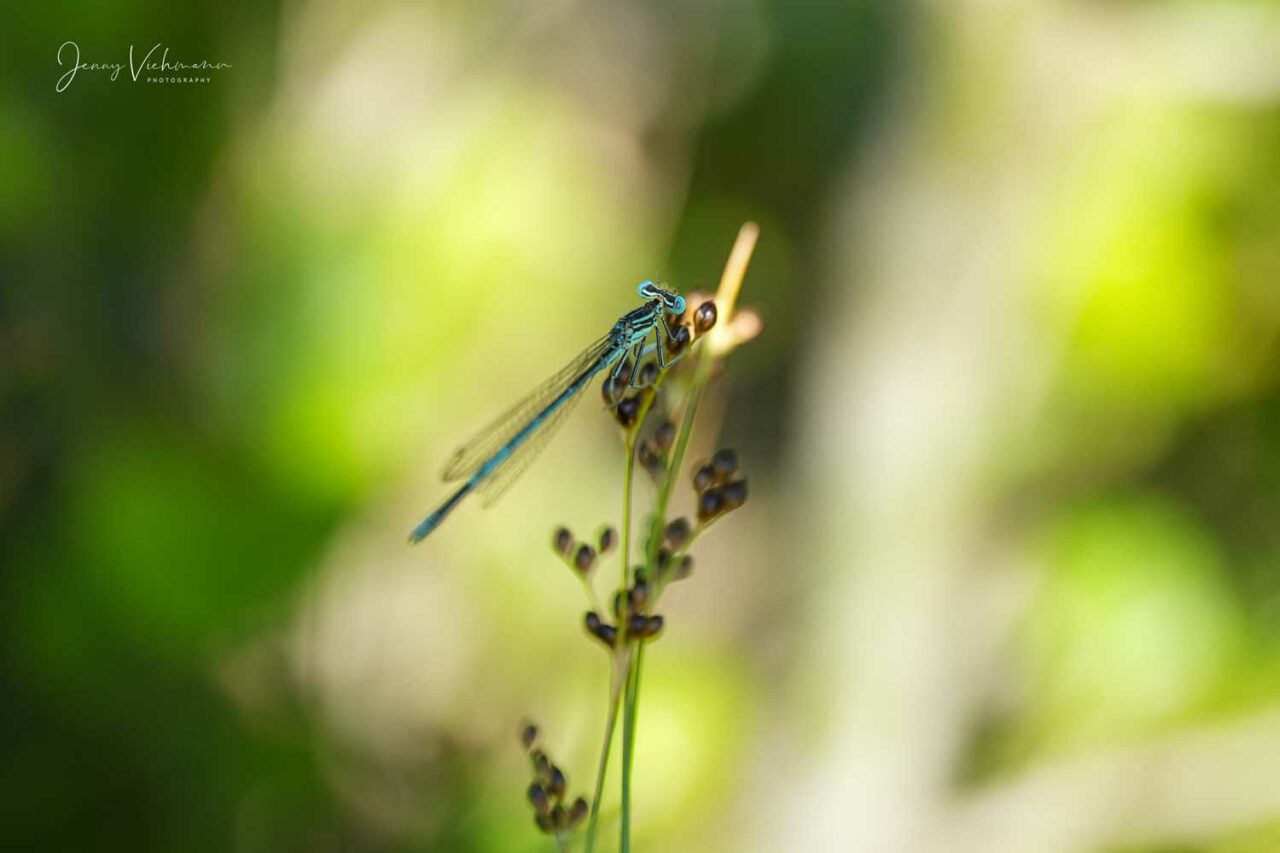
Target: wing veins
464,461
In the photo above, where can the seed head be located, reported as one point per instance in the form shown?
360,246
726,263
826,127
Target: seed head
562,542
734,493
649,458
607,539
612,390
710,503
529,735
585,558
684,568
638,595
703,477
627,411
704,317
538,797
723,464
665,436
677,533
679,340
556,783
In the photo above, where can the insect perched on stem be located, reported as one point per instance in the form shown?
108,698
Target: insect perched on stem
497,455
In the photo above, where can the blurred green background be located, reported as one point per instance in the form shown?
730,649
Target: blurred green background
1009,578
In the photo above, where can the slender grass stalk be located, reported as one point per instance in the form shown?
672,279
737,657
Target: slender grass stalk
631,708
620,671
634,605
735,271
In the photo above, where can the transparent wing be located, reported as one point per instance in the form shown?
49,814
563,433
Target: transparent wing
497,483
470,456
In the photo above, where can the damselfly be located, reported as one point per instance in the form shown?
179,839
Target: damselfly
496,456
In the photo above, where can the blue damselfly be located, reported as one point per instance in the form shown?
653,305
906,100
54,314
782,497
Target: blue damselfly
496,456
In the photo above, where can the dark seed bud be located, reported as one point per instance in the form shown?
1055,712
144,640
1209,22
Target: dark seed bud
558,817
612,389
541,764
735,494
562,542
665,436
609,635
608,538
684,568
710,503
544,821
624,371
677,533
638,595
648,373
638,574
704,318
679,340
724,463
703,477
606,633
578,810
627,411
653,626
664,557
636,625
529,735
585,560
647,455
556,783
538,797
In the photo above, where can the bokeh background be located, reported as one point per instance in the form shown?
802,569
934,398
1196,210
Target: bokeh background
1009,579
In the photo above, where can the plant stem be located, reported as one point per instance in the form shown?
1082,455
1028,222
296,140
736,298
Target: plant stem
630,709
628,475
621,667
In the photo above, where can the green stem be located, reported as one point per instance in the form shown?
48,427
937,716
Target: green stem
615,693
701,376
628,475
630,712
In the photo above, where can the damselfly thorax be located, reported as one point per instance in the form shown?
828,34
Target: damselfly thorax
496,456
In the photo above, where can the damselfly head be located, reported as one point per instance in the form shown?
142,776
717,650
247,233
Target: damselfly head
673,302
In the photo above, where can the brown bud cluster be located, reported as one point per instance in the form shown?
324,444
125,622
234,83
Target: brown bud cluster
547,793
581,557
718,492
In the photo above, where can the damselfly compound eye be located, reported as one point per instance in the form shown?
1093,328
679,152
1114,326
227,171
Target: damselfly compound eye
676,306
